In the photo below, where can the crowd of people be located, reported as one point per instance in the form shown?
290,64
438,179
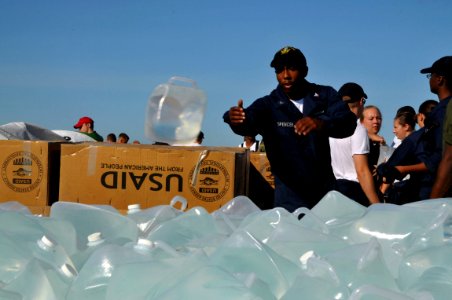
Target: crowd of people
85,125
318,139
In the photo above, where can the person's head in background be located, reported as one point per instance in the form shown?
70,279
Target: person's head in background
404,122
85,124
200,137
123,138
111,138
440,77
371,119
355,97
424,110
249,140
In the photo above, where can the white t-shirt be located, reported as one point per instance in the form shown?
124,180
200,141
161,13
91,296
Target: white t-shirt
254,147
396,142
342,151
299,104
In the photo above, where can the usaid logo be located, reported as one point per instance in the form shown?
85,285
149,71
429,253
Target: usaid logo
212,182
22,171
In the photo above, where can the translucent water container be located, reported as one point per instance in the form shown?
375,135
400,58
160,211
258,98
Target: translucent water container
93,279
13,259
53,256
95,241
175,111
149,218
87,219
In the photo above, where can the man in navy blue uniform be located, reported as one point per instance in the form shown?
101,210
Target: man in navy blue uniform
295,120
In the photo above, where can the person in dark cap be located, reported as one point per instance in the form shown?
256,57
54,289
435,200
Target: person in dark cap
86,126
441,75
349,156
420,153
295,120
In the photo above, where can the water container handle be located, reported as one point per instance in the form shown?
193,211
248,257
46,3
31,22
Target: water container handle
167,248
371,252
308,212
201,158
227,220
382,293
186,80
318,267
181,200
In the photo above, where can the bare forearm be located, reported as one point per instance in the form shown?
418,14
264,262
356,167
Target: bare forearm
365,178
444,176
367,184
420,167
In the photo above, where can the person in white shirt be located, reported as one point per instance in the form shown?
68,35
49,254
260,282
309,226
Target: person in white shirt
251,143
349,155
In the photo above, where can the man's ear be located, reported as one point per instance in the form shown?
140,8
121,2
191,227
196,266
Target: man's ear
442,81
304,71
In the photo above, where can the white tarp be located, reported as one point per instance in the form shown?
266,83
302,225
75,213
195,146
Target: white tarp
27,131
74,136
31,132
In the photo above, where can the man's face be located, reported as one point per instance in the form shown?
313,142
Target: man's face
372,120
85,127
287,78
122,140
433,82
401,131
355,105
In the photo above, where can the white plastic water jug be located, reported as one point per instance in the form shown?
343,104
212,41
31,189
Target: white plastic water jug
175,111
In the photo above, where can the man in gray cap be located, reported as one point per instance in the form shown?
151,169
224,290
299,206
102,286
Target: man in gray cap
295,121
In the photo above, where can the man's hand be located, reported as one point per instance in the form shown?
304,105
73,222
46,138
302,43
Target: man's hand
307,124
377,138
236,113
387,174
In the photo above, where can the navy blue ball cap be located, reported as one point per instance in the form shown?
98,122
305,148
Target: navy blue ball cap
442,67
353,91
288,57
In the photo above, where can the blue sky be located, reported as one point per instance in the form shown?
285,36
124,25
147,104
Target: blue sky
60,60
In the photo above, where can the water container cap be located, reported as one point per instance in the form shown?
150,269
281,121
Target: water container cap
133,208
144,244
95,239
68,271
306,256
46,243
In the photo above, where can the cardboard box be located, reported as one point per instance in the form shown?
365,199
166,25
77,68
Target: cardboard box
123,174
260,162
40,210
261,181
29,171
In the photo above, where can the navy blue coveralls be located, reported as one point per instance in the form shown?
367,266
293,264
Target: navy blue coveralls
301,164
424,145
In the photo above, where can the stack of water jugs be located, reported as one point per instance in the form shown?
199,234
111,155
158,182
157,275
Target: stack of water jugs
337,250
